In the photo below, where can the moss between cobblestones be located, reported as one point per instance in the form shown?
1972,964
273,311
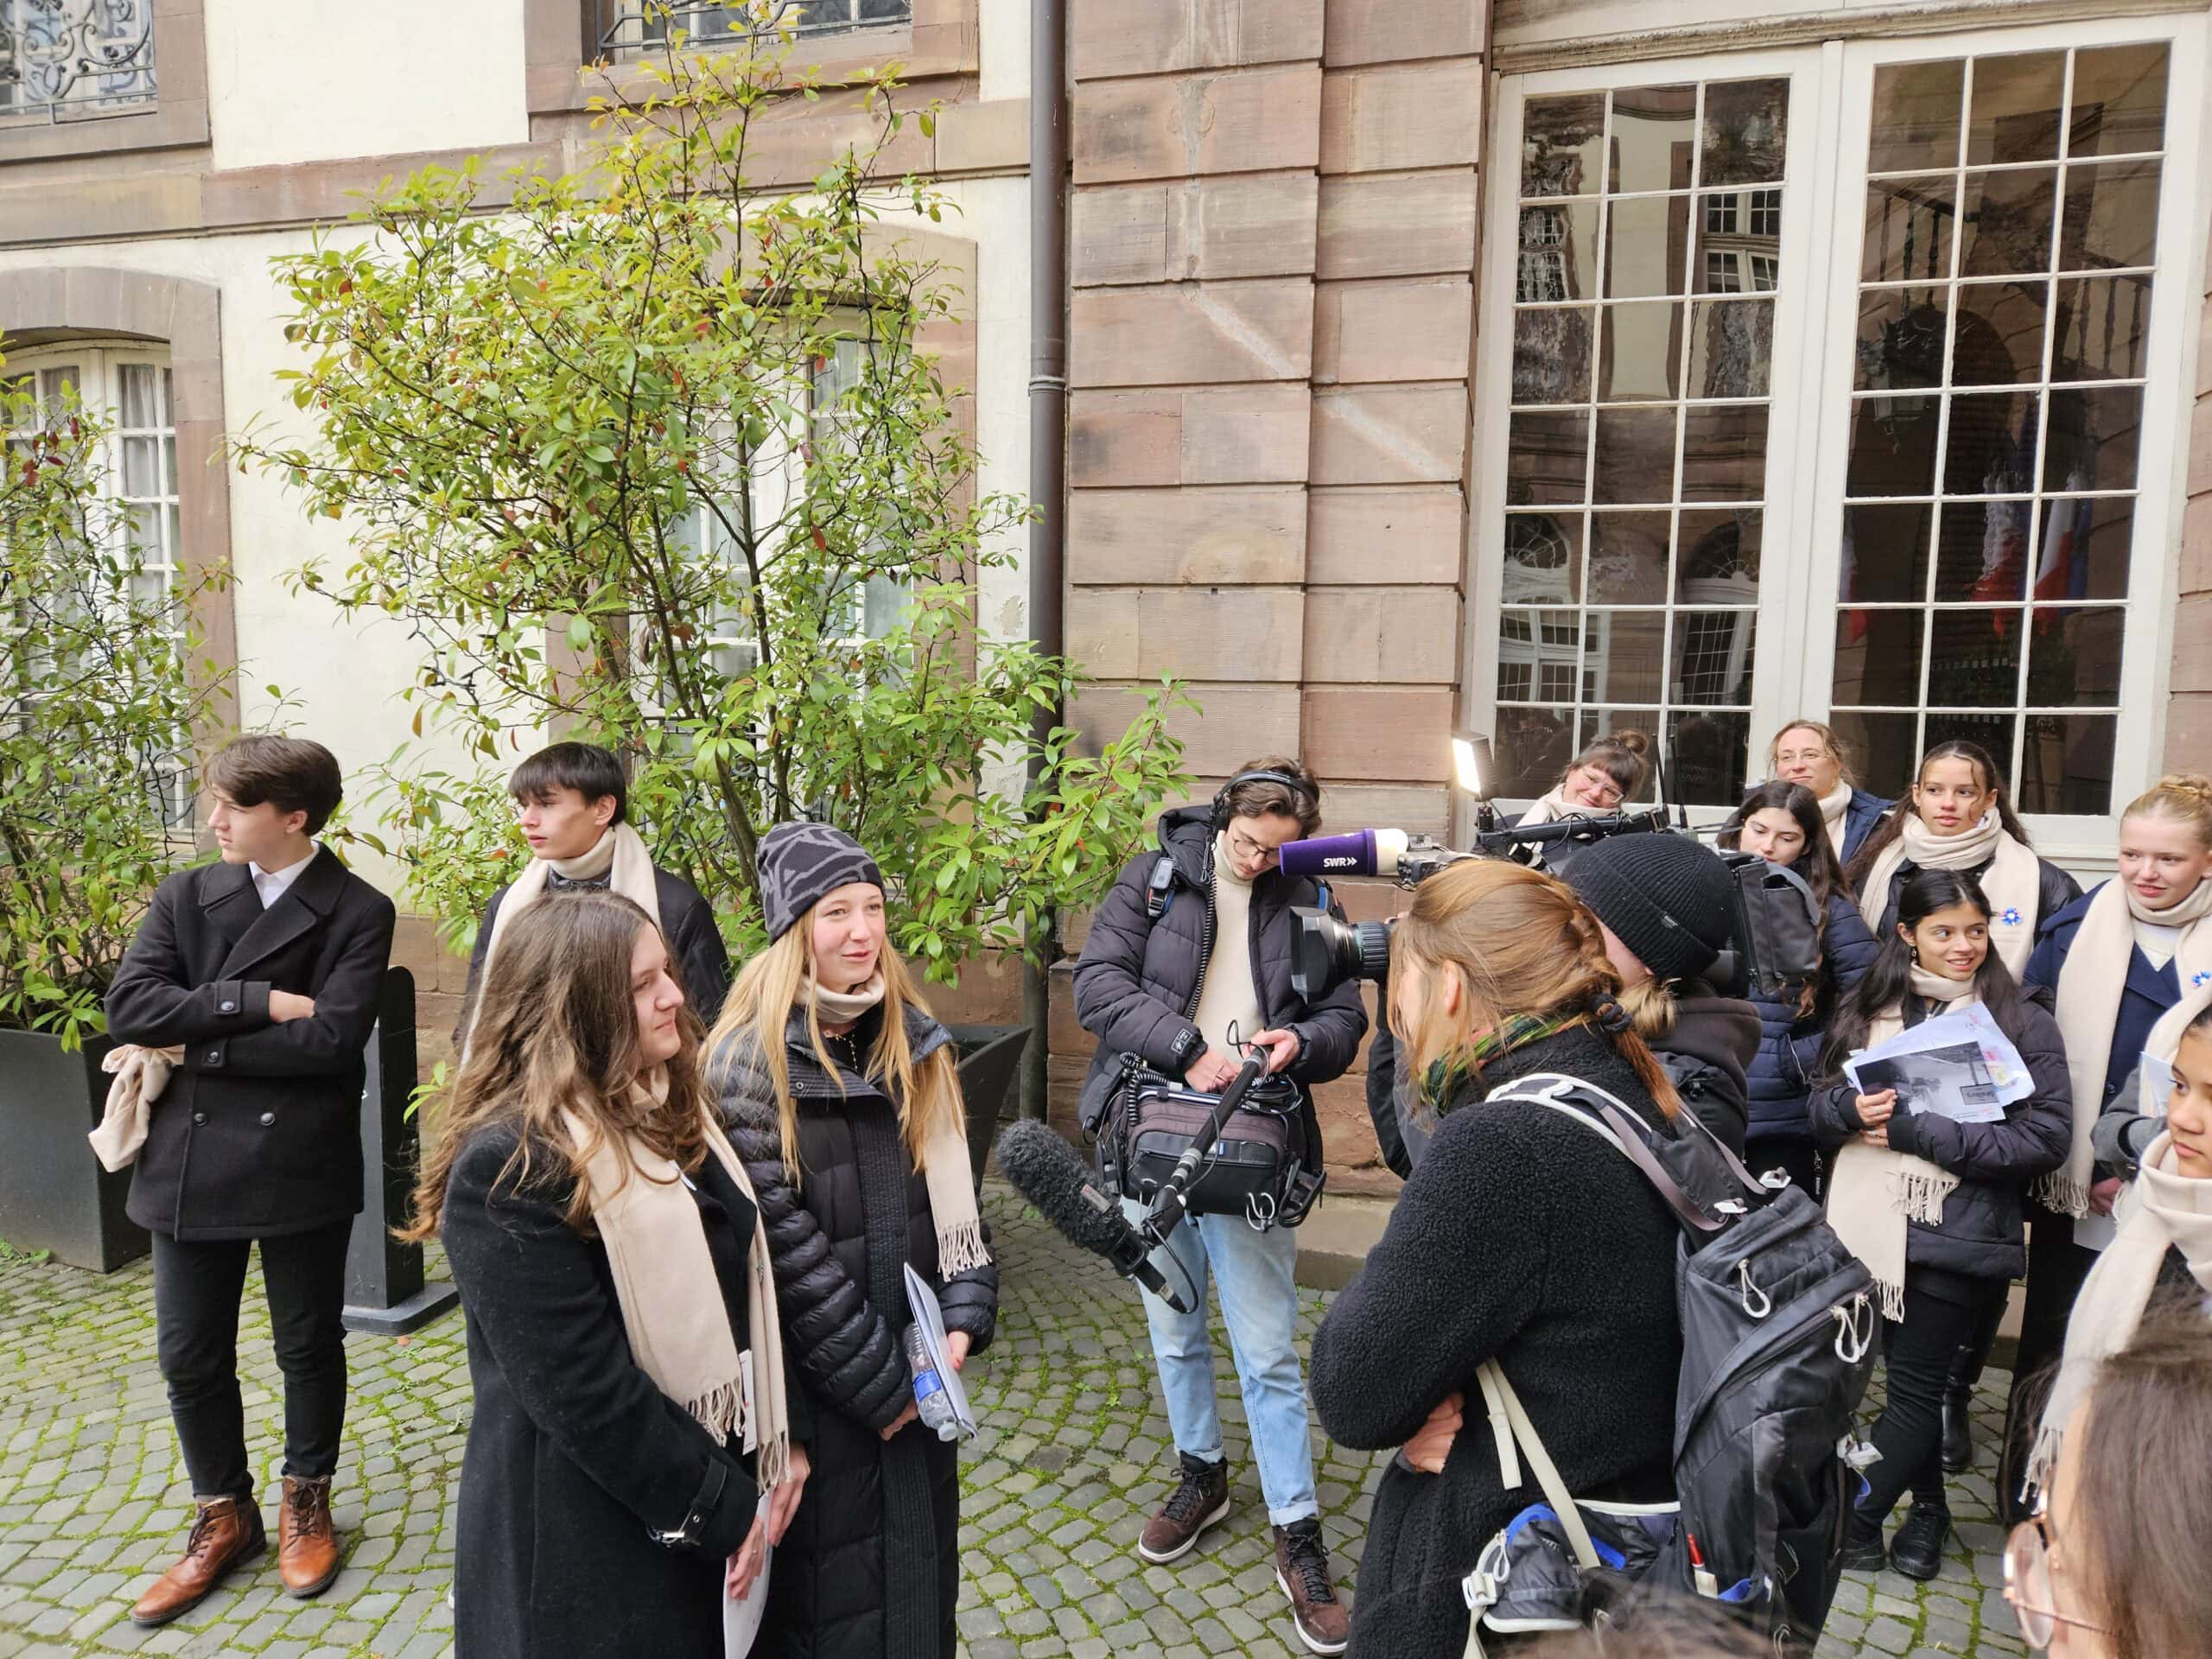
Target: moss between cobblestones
1075,1454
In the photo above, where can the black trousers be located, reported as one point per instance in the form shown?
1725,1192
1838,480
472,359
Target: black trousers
2056,1267
1918,1355
197,1287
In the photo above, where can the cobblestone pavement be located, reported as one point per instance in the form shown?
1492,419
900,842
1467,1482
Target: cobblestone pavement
92,1499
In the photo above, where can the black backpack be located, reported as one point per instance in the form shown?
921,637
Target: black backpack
1778,1332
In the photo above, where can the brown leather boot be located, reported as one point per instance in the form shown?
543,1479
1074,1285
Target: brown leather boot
225,1531
307,1547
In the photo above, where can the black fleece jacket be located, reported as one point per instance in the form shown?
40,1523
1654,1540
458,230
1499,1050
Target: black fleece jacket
1525,1238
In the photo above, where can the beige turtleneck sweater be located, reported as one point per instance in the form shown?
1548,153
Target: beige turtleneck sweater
1229,995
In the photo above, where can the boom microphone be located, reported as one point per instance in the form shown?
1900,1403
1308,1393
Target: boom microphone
1046,1172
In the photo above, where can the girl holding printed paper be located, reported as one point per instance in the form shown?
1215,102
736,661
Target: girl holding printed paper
1932,1206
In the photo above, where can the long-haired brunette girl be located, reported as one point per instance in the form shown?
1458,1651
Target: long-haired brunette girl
1930,1205
622,1330
840,1094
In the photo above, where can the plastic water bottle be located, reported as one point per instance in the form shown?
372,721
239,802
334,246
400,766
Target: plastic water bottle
930,1398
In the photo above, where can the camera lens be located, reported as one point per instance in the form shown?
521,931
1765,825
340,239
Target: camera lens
1327,952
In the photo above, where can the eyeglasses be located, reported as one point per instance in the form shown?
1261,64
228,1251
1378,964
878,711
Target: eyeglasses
2027,1580
1246,848
1598,788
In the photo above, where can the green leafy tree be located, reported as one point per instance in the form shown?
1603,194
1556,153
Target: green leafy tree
653,460
102,690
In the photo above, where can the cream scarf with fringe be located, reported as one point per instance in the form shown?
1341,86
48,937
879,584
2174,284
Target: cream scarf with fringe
672,1302
2090,986
1835,807
1874,1191
960,1246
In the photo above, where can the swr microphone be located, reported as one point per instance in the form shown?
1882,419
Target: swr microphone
1046,1172
1362,852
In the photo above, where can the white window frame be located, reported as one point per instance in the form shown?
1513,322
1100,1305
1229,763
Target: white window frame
1815,336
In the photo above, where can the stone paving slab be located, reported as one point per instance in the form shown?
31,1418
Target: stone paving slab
1074,1456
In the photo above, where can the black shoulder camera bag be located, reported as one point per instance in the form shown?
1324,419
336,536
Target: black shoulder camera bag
1265,1166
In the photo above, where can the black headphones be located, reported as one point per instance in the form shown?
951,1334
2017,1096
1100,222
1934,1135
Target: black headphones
1221,797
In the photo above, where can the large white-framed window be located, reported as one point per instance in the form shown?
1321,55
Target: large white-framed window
130,383
1961,514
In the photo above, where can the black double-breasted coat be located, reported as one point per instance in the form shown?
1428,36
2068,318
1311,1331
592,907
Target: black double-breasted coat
259,1131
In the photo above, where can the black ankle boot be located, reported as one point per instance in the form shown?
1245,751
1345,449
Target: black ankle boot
1958,1413
1917,1550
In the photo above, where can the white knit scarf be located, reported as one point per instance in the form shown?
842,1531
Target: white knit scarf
1834,808
672,1309
2010,884
619,855
1874,1191
2090,986
2163,1209
1550,807
945,1171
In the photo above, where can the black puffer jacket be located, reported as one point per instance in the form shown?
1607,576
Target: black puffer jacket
1525,1238
1137,978
1709,1055
870,1568
1980,1234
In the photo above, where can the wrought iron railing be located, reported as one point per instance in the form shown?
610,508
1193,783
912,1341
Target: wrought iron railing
75,60
631,25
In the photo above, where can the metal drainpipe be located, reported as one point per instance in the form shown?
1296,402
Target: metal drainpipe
1048,473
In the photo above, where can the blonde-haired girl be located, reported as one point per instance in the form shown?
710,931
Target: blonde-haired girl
841,1095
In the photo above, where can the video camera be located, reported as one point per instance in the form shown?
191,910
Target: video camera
1774,919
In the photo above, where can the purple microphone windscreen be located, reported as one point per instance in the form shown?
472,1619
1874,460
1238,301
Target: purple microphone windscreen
1347,855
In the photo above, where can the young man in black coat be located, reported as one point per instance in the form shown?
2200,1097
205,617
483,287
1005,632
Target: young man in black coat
261,972
1189,953
570,800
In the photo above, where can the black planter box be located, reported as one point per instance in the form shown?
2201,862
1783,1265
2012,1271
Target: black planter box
990,1067
53,1194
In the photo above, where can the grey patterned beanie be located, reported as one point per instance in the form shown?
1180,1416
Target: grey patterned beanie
799,863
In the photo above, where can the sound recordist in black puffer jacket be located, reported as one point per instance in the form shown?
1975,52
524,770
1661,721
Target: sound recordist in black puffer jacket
821,1043
1522,1238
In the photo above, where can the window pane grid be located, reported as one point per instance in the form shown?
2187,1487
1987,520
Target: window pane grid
1650,223
2031,223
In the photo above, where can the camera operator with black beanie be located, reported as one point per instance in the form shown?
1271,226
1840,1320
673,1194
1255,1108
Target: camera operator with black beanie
1665,906
1189,955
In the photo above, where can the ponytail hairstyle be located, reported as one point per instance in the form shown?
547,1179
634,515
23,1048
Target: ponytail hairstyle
778,982
1882,989
1520,943
1815,862
2185,797
1892,824
1619,755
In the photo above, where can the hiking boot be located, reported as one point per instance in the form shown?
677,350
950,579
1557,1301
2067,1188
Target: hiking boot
1862,1546
1302,1570
1917,1550
1199,1500
225,1531
307,1544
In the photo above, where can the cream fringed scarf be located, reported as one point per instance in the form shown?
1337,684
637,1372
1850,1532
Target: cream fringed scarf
1873,1191
2010,884
2162,1211
2090,986
960,1246
672,1302
1835,807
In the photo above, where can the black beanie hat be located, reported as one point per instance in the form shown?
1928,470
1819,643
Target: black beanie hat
800,864
1664,896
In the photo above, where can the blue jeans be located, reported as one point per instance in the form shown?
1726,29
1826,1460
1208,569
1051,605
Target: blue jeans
1259,1304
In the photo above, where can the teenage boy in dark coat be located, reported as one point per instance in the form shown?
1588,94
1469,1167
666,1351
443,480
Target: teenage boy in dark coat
570,800
263,970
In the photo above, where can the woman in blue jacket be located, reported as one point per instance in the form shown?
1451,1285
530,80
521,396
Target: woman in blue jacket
2115,960
1782,823
1806,752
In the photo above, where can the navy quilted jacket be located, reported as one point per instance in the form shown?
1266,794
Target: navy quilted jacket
1789,1047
